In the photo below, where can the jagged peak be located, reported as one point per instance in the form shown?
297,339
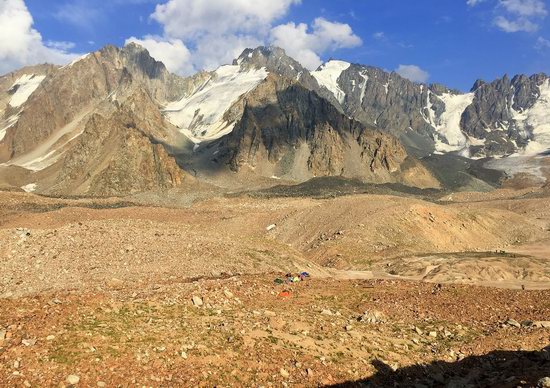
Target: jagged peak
133,55
273,58
134,47
259,52
479,83
333,63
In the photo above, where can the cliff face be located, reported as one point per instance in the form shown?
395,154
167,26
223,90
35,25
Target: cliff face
94,126
78,88
289,131
119,154
498,112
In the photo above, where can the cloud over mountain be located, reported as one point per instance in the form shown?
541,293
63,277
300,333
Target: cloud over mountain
21,44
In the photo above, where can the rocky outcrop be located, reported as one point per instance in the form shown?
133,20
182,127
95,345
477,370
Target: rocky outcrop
493,113
290,131
276,61
119,155
81,86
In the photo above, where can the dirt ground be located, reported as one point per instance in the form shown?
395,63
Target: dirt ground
456,290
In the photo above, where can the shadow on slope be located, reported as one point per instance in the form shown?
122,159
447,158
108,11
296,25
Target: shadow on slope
496,369
462,174
330,187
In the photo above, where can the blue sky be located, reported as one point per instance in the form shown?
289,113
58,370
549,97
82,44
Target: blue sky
453,42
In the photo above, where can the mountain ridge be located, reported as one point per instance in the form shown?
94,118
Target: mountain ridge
265,113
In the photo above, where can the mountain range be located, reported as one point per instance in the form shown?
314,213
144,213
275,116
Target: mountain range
117,121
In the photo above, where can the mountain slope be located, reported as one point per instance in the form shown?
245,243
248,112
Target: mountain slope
96,121
119,154
494,119
117,115
290,132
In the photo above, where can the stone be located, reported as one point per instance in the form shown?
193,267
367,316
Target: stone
372,317
271,227
418,330
349,328
197,301
284,373
50,337
270,313
101,384
23,233
326,312
28,342
539,324
309,372
73,379
544,382
183,355
228,294
513,322
433,334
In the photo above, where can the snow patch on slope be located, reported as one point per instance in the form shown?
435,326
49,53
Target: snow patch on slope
200,115
10,123
450,136
24,87
51,150
430,118
536,120
363,85
328,75
30,188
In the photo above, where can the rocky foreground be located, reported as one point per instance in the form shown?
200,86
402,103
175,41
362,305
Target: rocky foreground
250,331
131,292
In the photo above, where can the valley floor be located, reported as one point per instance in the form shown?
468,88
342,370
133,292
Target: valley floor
403,290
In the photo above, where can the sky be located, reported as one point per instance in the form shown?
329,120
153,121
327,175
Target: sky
453,42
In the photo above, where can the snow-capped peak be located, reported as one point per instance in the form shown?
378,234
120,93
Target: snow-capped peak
328,74
200,116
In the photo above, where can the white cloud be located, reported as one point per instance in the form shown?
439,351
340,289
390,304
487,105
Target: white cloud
214,51
526,8
214,31
186,19
542,43
519,15
516,25
217,31
413,73
21,44
306,47
175,55
65,46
